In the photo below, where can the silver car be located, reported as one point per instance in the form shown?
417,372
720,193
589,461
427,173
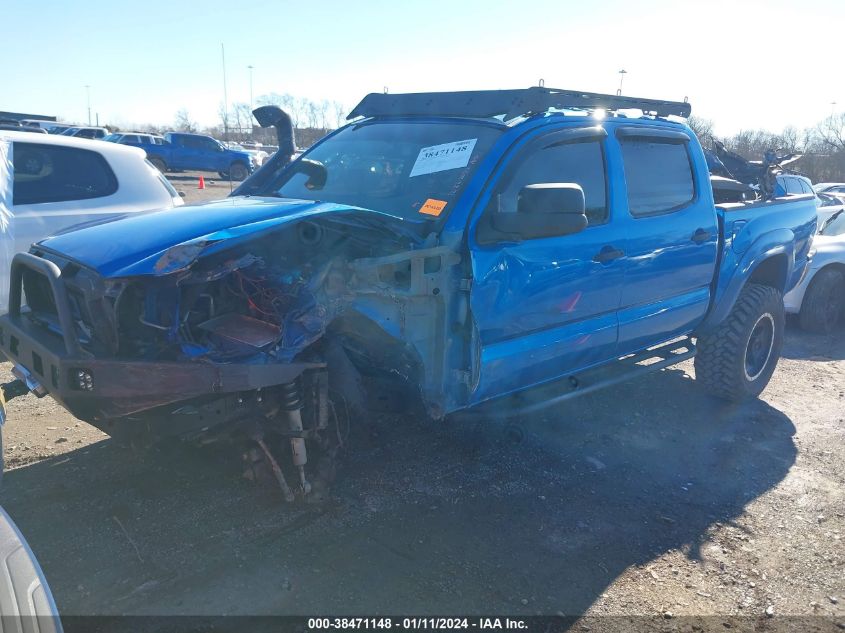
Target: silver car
819,298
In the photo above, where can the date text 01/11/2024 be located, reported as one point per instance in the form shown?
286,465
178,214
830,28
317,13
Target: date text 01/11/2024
418,623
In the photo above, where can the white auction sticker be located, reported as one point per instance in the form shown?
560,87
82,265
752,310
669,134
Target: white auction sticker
442,157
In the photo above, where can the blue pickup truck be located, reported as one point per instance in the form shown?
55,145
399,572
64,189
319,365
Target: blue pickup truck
477,247
198,152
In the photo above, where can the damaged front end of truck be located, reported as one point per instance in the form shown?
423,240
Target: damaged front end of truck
264,314
262,330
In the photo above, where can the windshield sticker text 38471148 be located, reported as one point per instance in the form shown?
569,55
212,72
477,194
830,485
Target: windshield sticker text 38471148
443,157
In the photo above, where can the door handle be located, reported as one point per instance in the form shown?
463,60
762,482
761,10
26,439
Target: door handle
608,254
700,236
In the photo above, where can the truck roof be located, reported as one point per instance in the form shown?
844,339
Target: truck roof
508,104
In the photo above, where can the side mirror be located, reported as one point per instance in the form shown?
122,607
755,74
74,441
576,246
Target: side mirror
545,210
316,172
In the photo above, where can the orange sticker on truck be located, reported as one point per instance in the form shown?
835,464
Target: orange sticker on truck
433,207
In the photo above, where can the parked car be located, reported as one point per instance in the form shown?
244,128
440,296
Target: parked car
793,184
828,205
465,256
819,299
22,128
56,128
258,155
58,181
199,152
138,139
40,123
85,132
835,188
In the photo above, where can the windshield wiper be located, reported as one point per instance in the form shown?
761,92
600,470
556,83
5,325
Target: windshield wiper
831,219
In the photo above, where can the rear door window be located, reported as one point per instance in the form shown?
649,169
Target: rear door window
51,173
793,186
658,174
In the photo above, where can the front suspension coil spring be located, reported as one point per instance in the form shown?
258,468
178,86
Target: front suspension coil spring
291,396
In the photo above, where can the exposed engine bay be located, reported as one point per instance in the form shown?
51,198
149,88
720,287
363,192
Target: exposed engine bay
266,338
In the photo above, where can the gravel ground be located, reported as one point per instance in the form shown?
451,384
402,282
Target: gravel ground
646,499
187,182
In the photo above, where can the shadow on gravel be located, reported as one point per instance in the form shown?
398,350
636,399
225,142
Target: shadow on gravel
801,345
427,517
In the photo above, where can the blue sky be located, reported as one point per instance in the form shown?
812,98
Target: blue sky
742,63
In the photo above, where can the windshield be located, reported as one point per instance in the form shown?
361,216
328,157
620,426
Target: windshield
835,224
409,169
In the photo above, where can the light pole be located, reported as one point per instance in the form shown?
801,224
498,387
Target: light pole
622,74
88,99
225,94
250,87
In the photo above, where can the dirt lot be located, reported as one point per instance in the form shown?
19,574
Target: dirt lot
187,182
645,499
649,498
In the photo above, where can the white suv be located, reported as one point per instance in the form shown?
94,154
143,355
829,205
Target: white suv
49,183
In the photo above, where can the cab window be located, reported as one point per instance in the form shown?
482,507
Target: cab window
581,163
658,175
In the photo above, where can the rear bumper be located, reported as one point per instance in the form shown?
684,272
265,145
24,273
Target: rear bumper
118,388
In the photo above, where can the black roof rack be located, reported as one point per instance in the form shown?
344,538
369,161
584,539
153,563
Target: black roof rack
510,103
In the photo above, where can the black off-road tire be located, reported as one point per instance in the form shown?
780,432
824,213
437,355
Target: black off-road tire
824,302
238,171
158,164
730,362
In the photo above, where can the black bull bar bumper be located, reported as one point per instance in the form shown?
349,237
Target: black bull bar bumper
97,389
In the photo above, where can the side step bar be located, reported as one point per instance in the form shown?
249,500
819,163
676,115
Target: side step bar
546,395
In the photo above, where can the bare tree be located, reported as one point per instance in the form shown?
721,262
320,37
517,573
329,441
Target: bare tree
312,113
294,106
323,111
242,120
703,128
831,132
339,113
789,140
225,118
183,122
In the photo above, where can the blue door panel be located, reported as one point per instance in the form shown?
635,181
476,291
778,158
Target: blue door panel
670,262
544,308
515,363
540,313
646,325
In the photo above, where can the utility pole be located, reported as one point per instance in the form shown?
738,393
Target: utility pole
622,74
88,99
225,95
250,87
